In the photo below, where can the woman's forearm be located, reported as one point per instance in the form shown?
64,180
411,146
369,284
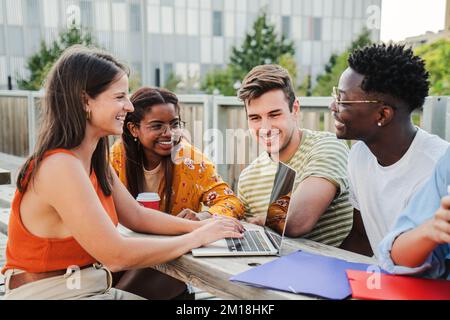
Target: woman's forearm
155,222
137,253
413,248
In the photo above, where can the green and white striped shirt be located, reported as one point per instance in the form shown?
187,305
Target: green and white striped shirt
320,154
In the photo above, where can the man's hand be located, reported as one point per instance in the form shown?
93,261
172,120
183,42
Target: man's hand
204,215
260,221
194,216
439,226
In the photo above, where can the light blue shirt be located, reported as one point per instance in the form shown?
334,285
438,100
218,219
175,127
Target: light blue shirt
421,208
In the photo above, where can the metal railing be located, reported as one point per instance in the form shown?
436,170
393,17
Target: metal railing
216,125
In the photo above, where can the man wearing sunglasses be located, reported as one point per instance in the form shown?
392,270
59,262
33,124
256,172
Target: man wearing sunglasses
373,103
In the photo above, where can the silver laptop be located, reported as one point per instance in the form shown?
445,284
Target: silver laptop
258,241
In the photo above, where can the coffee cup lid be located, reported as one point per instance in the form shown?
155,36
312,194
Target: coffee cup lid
148,196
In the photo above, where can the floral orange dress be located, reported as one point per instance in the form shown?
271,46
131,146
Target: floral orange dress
195,182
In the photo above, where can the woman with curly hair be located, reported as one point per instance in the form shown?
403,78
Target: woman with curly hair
153,156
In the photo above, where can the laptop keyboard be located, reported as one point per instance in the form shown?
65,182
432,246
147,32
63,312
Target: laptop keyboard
251,242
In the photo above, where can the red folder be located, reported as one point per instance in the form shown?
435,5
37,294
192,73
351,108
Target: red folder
365,285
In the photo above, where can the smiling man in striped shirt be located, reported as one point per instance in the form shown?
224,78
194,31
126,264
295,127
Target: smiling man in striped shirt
320,201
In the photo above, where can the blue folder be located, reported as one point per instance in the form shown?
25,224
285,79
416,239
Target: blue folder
303,273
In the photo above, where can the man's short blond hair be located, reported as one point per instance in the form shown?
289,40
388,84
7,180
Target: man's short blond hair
264,78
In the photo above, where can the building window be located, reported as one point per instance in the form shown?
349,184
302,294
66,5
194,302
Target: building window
168,72
33,17
317,29
167,14
181,70
286,7
153,24
15,40
51,13
205,23
205,50
119,21
180,3
102,16
241,6
229,5
2,44
167,3
87,19
192,22
135,17
14,12
180,21
286,26
217,24
218,50
229,25
241,23
318,8
206,4
297,27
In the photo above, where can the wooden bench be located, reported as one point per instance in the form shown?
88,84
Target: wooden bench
3,240
5,176
4,220
6,197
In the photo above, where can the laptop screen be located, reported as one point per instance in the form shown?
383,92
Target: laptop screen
277,212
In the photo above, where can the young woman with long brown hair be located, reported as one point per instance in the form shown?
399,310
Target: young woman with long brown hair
68,200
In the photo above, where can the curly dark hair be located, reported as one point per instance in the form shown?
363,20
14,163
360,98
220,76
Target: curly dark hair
392,70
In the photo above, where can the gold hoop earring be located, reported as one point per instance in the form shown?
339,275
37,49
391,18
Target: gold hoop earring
88,115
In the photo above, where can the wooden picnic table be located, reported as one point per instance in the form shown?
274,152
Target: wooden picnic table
5,176
212,274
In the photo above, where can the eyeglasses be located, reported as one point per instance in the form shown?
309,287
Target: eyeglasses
336,96
161,128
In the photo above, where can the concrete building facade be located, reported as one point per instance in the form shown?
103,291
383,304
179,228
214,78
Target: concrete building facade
184,37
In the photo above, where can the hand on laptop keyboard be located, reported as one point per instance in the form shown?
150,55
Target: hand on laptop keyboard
237,223
218,228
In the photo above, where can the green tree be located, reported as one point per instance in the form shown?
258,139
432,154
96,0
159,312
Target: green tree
135,81
261,45
219,81
190,84
328,80
288,62
336,65
437,60
41,62
172,82
304,90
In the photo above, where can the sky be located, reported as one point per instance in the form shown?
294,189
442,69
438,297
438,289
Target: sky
405,18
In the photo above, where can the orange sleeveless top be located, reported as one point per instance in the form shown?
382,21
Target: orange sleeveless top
31,253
